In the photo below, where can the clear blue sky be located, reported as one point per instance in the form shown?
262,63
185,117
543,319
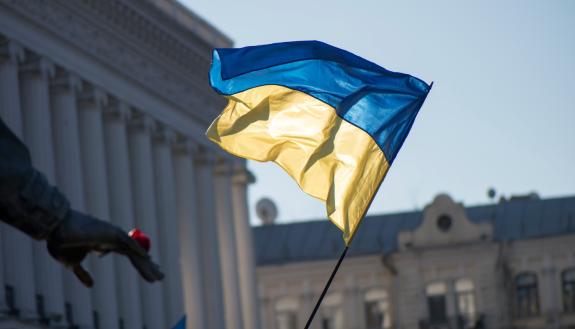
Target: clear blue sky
501,112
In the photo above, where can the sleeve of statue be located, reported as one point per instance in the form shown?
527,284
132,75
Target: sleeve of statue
27,200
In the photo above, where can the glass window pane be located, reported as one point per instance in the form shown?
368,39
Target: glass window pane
527,295
568,278
287,320
437,309
377,312
332,312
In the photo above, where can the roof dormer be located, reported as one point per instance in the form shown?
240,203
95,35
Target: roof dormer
444,223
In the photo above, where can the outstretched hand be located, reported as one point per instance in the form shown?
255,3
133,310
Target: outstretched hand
80,234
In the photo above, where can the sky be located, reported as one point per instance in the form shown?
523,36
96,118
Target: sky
501,112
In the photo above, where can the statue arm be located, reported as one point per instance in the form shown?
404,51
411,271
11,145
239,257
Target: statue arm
27,201
32,205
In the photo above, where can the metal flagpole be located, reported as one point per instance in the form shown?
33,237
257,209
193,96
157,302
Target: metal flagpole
326,287
344,252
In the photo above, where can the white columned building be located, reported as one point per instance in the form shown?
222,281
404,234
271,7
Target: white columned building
35,76
121,210
244,246
91,126
144,189
167,216
226,237
189,234
69,178
18,267
112,99
213,294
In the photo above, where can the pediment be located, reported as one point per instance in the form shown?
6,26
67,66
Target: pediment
444,223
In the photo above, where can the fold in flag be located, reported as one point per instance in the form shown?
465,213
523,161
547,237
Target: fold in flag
332,120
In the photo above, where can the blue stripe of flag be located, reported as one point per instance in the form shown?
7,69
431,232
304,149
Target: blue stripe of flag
380,102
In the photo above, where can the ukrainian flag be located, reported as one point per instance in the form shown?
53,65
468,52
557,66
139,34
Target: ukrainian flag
332,120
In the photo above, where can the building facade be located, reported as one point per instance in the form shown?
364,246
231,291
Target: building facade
505,265
112,99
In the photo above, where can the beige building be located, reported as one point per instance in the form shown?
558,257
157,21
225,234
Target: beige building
112,99
504,265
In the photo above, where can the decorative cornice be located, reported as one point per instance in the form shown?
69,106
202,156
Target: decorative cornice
93,97
165,135
117,110
184,145
139,41
223,168
11,51
242,176
142,122
38,65
65,81
205,157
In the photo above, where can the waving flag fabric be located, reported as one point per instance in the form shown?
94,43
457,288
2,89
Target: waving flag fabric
332,120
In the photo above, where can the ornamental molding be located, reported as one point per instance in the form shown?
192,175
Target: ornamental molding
138,40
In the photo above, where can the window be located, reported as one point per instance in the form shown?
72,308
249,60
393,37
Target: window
96,319
465,299
436,302
444,223
41,309
11,299
332,312
69,313
527,295
377,312
286,313
568,283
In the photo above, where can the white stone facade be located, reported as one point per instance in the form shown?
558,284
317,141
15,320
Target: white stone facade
449,273
112,99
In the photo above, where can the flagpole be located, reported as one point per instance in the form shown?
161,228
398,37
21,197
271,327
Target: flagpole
341,257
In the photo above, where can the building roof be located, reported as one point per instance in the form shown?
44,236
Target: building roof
519,218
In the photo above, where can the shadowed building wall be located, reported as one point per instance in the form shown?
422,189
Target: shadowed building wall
111,97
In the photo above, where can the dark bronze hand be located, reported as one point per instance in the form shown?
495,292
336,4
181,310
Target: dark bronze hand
78,234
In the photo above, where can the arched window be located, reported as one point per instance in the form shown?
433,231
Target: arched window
465,299
437,302
286,313
332,312
526,294
377,313
568,283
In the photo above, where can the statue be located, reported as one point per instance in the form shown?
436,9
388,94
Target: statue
29,203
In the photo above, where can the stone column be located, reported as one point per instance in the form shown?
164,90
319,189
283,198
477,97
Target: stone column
37,119
168,225
269,314
227,241
69,177
104,297
16,253
188,224
245,253
144,189
307,304
549,299
212,288
352,305
121,210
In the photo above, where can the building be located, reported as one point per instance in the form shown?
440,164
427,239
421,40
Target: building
112,99
504,265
